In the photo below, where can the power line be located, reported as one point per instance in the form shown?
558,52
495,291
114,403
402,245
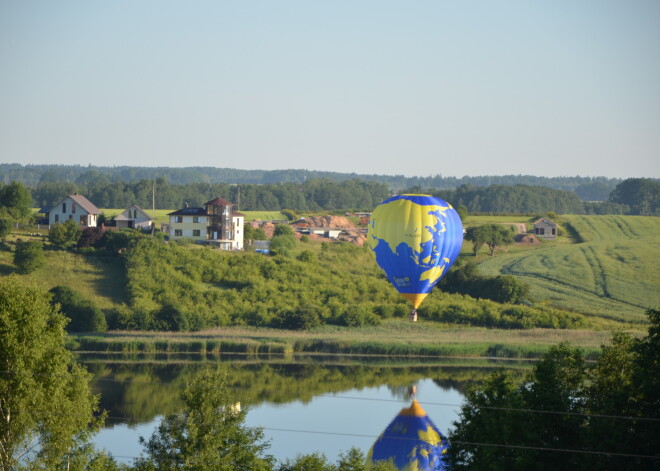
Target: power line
512,409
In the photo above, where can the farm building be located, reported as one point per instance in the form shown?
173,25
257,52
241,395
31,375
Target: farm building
545,229
75,207
134,218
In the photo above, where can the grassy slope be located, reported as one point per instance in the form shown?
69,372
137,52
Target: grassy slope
611,271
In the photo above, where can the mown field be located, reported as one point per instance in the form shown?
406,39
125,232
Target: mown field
610,271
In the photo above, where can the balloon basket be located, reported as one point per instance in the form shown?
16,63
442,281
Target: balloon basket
413,315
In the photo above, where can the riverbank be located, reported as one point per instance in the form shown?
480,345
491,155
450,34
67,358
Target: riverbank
394,338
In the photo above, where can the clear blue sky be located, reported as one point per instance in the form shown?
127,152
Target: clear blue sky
550,88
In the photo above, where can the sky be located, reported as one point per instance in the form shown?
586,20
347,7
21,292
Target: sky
421,88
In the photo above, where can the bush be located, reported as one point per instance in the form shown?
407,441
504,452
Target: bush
84,314
298,319
90,237
64,235
5,228
29,256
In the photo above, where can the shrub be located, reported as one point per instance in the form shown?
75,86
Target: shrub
84,314
64,235
29,256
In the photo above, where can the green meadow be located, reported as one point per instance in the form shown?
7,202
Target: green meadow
605,266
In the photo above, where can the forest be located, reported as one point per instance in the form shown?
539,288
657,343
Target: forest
632,196
588,188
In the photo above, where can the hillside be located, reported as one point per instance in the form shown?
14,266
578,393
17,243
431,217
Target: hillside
611,270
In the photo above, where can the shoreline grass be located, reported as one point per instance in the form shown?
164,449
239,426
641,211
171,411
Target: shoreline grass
393,339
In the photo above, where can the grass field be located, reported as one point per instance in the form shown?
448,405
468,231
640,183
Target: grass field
611,272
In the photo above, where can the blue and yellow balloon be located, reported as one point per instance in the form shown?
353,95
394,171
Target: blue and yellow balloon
415,239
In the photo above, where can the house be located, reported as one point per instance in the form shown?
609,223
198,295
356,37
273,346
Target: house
134,218
217,224
75,207
545,229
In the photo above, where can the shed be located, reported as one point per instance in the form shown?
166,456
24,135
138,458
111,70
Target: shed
545,229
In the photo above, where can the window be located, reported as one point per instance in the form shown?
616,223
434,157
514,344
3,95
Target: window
178,218
196,232
83,220
64,207
73,208
178,232
196,219
542,231
554,231
57,218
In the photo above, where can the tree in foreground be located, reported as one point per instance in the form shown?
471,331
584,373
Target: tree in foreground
46,407
566,414
209,435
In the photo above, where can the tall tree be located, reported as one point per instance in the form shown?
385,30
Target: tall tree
16,200
208,435
493,235
46,407
65,235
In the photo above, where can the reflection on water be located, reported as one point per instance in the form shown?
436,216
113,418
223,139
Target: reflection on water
306,404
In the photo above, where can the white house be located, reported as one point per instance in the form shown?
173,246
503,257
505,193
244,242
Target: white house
216,224
75,207
134,218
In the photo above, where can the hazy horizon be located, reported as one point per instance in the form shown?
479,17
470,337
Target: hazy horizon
432,87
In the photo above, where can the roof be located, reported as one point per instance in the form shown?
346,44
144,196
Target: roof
218,202
122,216
188,212
545,221
236,213
83,202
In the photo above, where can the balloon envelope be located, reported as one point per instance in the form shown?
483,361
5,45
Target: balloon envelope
411,441
415,239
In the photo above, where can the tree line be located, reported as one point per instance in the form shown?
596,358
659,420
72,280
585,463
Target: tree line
588,188
637,196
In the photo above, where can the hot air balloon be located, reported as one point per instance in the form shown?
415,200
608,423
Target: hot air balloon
415,239
411,441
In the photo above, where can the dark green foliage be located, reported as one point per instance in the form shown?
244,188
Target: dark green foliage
29,256
84,315
290,214
298,319
117,241
642,195
352,460
519,199
465,279
342,286
307,256
65,235
44,395
90,237
282,244
16,201
283,229
5,228
610,407
462,213
171,318
493,235
209,434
